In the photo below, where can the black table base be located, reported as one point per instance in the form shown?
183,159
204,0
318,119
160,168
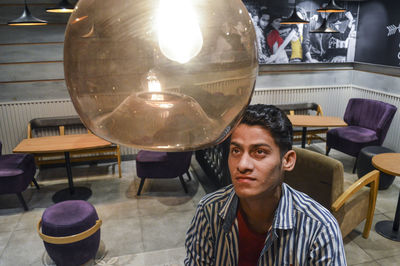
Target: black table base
72,192
80,193
385,228
390,229
304,137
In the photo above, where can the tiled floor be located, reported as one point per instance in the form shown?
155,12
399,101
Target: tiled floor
150,229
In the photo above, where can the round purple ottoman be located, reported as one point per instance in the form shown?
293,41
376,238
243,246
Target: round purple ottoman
70,232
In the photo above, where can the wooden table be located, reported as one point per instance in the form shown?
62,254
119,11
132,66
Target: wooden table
305,121
389,163
66,144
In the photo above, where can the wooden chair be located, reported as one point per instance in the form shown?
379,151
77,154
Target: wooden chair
48,126
321,178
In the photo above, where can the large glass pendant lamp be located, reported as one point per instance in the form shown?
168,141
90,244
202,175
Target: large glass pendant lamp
27,19
166,75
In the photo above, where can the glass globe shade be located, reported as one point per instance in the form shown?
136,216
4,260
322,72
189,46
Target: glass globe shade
167,75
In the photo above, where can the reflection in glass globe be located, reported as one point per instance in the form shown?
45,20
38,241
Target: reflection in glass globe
167,75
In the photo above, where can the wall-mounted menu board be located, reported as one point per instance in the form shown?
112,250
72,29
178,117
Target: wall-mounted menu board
378,36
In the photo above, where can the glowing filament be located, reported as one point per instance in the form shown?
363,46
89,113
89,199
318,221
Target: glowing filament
179,35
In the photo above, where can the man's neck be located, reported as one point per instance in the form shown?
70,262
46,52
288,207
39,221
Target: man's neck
259,213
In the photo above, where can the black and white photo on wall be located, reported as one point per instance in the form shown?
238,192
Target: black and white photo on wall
279,43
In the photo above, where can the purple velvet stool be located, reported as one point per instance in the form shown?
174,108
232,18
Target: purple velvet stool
70,232
152,164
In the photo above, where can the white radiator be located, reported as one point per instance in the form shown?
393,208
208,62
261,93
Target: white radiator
14,116
333,101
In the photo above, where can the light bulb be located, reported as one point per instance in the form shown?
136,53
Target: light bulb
178,30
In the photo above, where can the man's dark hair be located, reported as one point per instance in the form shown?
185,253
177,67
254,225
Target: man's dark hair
274,120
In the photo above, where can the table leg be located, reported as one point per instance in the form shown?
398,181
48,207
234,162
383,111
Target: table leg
69,173
390,229
71,193
304,137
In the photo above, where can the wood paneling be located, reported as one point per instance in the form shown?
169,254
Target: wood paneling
31,71
31,91
31,57
31,53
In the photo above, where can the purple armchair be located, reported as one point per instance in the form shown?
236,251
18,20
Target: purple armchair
17,171
151,164
368,123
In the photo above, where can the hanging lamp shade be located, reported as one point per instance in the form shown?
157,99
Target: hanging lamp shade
26,19
294,18
63,7
165,75
332,7
324,28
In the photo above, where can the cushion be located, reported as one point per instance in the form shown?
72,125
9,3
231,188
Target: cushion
151,156
355,134
351,139
10,172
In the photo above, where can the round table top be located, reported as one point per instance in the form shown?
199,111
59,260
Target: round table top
388,163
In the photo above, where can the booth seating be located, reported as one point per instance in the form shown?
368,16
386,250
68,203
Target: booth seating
152,164
305,109
368,123
61,125
17,171
71,232
364,165
321,178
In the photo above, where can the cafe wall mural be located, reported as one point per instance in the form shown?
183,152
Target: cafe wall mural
278,43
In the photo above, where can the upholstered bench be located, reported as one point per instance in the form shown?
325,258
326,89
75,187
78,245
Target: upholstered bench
61,125
71,232
364,165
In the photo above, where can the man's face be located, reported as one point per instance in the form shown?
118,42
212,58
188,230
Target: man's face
254,162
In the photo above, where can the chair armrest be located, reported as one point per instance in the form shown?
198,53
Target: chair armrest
319,110
370,178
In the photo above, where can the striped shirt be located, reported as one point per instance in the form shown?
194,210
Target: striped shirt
303,232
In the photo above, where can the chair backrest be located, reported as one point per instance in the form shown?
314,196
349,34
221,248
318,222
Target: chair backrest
371,114
38,126
299,108
317,175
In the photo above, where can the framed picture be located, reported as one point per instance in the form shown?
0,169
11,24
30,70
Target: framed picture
281,44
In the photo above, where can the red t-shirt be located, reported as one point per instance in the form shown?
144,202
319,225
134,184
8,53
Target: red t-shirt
250,243
273,37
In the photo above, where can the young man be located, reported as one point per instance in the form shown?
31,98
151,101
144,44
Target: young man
259,220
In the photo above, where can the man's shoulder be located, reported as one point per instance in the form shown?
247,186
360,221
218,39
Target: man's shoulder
216,197
311,209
